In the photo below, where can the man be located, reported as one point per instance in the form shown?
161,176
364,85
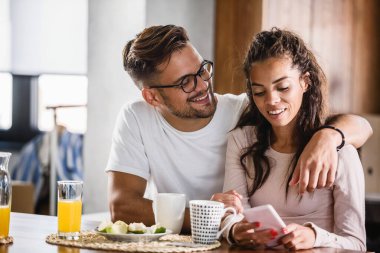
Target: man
176,136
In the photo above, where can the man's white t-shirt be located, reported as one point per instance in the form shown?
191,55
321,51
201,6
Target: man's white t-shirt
146,145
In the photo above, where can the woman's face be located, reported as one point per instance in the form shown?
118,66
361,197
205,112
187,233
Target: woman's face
277,90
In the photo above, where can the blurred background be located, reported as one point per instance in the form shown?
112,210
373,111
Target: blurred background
62,81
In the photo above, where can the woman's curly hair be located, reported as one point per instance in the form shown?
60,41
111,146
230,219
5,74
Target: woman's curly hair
277,43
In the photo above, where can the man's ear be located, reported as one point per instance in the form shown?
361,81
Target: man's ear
150,96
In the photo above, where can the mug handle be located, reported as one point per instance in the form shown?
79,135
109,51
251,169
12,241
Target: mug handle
229,223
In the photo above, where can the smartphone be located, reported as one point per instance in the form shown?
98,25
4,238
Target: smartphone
268,218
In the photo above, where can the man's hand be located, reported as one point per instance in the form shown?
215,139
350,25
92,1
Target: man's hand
230,199
298,237
318,162
126,201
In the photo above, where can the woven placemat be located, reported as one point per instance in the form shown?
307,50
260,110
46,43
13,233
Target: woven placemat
6,240
92,240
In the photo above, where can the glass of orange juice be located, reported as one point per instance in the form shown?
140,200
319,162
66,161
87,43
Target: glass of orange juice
5,194
69,209
5,212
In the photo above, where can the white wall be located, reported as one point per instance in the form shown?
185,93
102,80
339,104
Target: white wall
196,16
111,24
5,35
49,36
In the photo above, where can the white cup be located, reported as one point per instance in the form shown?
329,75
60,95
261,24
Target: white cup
169,210
205,217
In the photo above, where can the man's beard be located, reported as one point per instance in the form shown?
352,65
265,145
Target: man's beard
189,112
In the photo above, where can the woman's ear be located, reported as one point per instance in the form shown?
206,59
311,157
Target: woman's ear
150,96
305,81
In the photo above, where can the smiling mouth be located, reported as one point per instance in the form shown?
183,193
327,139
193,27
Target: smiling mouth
198,99
276,112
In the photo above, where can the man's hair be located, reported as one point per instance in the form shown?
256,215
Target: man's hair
153,46
277,43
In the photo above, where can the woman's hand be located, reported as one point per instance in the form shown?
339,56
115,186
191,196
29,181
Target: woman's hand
244,234
298,237
230,199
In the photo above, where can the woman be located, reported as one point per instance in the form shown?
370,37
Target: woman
285,87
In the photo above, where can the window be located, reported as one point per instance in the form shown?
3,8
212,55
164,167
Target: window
56,46
5,101
69,94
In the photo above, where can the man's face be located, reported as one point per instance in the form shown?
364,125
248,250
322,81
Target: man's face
199,103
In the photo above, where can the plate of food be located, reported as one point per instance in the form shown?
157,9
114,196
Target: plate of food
133,232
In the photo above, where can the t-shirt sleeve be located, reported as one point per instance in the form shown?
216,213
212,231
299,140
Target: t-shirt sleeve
349,214
127,150
235,175
239,104
243,103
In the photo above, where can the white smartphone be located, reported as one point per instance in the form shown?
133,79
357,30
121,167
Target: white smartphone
268,218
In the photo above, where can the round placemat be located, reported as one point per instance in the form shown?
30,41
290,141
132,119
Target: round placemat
91,240
6,240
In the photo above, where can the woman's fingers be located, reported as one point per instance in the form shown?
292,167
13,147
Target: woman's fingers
290,236
230,199
235,193
299,237
246,234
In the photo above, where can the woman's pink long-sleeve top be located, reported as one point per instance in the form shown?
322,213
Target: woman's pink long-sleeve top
336,214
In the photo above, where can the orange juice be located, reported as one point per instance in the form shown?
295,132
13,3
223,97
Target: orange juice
69,215
5,212
64,249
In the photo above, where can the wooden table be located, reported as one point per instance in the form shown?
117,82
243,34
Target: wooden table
29,232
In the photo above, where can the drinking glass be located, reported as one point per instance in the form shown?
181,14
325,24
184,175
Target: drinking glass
5,194
65,249
69,209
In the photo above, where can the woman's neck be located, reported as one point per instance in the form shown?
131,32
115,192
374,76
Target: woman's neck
282,140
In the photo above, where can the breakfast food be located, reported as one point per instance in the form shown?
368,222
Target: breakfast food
120,227
137,228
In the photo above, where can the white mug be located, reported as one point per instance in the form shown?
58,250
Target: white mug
169,210
205,217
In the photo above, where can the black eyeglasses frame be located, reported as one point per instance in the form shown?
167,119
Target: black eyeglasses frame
204,62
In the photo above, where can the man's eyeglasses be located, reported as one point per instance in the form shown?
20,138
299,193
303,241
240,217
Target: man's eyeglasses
188,83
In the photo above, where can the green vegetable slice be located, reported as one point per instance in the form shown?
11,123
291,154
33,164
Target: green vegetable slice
137,232
160,230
